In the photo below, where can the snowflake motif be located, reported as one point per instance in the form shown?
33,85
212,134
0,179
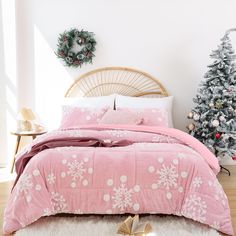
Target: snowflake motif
78,211
168,176
215,225
58,202
197,182
117,133
75,133
195,208
97,113
76,169
181,155
51,178
156,138
122,197
47,212
219,192
164,139
24,185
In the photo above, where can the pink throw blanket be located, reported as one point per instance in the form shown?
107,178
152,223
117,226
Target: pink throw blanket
162,171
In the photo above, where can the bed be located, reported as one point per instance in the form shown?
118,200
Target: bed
102,161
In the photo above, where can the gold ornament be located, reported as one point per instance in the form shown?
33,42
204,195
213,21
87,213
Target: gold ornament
219,104
190,115
131,226
191,127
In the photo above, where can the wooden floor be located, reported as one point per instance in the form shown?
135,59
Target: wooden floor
228,183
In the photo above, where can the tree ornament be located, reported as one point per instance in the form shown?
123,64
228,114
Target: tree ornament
191,127
219,104
76,47
217,135
215,123
196,117
190,115
222,118
211,104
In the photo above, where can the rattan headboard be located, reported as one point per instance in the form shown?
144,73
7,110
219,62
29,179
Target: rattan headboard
120,80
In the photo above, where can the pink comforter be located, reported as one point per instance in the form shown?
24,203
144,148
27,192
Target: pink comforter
162,171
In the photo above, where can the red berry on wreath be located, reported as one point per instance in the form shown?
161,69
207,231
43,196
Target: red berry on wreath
217,135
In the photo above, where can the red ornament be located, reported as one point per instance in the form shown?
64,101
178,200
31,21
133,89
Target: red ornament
217,135
234,158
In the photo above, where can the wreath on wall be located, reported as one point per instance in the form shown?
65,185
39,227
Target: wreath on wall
76,47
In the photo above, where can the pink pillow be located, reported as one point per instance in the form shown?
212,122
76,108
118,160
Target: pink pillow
121,117
75,116
151,116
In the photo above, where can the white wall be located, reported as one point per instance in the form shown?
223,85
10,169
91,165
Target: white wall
169,39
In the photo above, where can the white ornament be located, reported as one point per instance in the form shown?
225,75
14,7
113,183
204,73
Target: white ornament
211,104
222,118
196,117
215,123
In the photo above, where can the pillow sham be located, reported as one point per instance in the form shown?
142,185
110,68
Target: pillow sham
150,116
75,116
125,117
144,103
93,102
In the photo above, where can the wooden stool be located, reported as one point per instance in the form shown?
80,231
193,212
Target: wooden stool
19,135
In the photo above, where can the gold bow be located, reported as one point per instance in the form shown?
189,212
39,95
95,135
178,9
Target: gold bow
131,226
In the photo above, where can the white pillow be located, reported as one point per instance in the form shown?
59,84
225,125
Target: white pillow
138,102
91,102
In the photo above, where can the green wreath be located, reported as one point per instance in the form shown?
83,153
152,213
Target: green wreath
76,47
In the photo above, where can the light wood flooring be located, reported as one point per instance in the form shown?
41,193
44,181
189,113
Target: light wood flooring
228,183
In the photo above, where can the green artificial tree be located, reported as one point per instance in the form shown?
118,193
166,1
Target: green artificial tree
214,115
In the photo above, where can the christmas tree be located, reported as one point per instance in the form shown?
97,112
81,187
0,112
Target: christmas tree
214,116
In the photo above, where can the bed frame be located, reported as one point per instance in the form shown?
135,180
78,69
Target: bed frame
120,80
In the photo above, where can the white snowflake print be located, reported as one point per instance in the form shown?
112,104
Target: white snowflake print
78,211
75,133
47,212
167,176
97,113
122,196
51,178
197,182
219,192
117,133
215,225
164,138
24,185
181,155
76,169
58,202
195,208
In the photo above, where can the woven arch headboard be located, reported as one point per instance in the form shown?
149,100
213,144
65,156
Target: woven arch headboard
120,80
